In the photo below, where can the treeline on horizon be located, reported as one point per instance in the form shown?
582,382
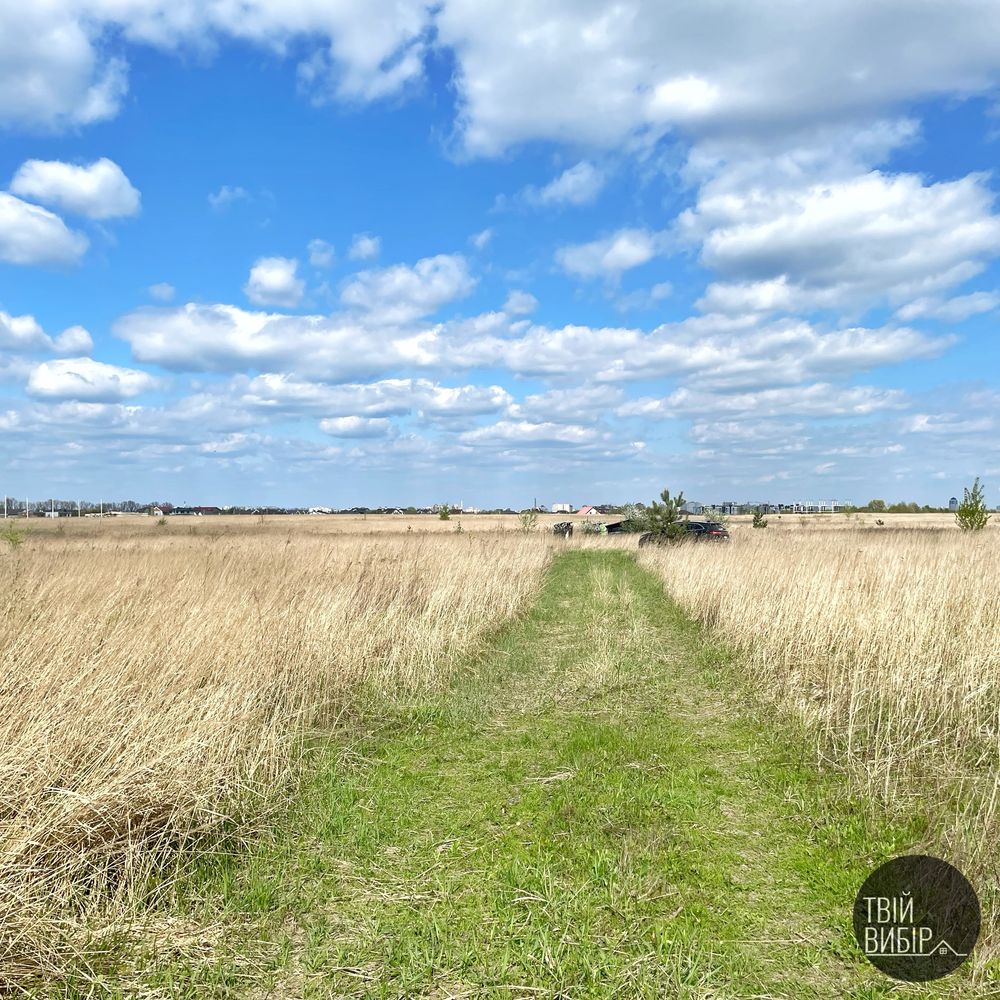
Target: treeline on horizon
13,504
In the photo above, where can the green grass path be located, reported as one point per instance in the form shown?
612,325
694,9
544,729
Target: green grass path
588,812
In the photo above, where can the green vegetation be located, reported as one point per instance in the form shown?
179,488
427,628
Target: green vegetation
663,517
900,507
759,521
527,520
634,518
13,535
445,512
972,514
592,810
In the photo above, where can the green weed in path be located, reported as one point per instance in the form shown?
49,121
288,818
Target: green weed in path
587,813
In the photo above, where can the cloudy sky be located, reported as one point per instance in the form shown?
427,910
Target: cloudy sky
384,251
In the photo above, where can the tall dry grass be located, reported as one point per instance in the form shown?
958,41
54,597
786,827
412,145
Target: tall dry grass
887,644
153,683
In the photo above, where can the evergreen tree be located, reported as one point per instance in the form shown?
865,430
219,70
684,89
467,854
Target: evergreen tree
664,516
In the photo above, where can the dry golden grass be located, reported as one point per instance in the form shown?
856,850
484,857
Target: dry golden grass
157,680
886,640
141,525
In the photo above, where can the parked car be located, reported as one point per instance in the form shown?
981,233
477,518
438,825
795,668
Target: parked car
710,530
694,530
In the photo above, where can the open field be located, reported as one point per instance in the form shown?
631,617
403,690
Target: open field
859,520
157,681
587,812
885,642
141,526
166,686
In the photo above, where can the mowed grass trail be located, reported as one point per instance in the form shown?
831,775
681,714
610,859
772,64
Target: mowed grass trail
588,812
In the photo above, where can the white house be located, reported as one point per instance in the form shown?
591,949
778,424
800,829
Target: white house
562,508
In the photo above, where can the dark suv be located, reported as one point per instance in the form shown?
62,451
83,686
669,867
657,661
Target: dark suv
694,530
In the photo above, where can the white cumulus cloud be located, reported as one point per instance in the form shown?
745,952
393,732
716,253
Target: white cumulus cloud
30,234
520,303
402,293
843,244
321,253
98,191
481,240
52,71
197,337
364,247
610,256
952,310
226,196
87,380
613,75
577,185
526,432
582,72
73,340
64,62
281,393
24,334
274,281
818,399
355,427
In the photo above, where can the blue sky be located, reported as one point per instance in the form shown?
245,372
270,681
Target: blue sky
367,253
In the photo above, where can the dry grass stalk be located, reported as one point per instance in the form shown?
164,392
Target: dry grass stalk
886,643
156,682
